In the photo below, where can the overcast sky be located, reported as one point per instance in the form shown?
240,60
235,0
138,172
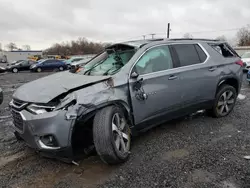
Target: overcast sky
40,23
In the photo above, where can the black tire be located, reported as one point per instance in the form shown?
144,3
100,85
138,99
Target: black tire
61,69
219,112
18,137
104,136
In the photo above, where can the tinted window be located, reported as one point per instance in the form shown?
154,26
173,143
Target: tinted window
156,59
201,53
187,54
25,63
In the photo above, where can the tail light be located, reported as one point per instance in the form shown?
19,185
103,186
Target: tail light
240,63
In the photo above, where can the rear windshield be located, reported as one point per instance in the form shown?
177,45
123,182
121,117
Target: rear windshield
224,49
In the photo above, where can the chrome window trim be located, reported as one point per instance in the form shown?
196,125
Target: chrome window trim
203,49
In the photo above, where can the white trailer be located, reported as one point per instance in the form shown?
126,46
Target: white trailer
10,56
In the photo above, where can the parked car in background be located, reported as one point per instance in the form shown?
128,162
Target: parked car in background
14,62
49,65
1,96
130,87
20,66
77,58
80,63
246,60
2,69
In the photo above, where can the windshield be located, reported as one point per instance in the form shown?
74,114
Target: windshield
108,63
40,61
246,55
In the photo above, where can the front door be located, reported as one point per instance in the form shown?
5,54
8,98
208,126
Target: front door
154,86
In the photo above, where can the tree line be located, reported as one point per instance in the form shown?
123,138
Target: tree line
80,46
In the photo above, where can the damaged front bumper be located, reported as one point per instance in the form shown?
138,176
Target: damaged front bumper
48,133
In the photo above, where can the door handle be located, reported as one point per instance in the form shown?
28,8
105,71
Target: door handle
172,77
212,69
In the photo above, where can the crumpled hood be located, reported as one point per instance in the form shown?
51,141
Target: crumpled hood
47,88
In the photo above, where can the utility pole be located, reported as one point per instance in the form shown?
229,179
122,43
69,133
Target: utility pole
144,37
152,35
168,31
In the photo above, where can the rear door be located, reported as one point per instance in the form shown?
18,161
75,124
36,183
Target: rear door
156,91
198,77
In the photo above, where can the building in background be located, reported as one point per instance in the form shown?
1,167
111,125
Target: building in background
9,56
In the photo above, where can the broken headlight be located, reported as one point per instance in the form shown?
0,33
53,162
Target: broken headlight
39,109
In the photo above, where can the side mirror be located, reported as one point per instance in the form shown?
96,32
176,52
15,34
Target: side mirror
134,75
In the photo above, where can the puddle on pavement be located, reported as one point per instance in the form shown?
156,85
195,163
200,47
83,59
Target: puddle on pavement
5,160
176,154
88,174
202,176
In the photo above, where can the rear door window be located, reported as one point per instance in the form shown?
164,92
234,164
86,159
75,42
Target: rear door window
188,54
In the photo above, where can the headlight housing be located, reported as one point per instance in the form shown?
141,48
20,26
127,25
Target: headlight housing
39,109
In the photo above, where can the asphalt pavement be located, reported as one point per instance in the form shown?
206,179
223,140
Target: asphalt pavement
195,151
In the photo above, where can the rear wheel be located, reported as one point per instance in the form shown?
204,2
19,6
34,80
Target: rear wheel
14,70
111,134
224,101
39,70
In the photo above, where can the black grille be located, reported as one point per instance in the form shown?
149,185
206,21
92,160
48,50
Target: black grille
17,120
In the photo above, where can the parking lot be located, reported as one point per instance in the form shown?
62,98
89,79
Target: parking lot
195,151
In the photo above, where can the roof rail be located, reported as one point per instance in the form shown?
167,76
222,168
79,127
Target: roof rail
201,39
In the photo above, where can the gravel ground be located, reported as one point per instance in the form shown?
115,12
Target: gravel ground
196,151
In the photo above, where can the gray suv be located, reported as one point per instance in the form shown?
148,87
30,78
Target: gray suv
128,88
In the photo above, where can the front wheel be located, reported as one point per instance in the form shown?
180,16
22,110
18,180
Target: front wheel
61,68
14,70
112,137
224,101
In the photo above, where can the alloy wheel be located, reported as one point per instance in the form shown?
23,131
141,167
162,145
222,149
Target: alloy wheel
121,133
39,70
15,70
225,103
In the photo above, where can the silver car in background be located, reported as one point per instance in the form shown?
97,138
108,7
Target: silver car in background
246,60
128,88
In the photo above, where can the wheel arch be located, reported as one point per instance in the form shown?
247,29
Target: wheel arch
229,80
86,119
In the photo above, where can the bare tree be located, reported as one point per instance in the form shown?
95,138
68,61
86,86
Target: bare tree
188,36
221,38
243,36
26,47
75,47
11,46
